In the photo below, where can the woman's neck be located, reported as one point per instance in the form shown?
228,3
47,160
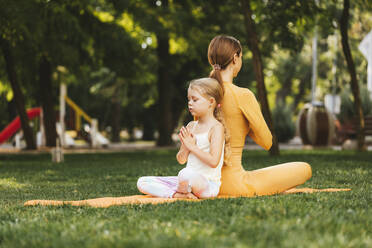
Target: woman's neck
227,75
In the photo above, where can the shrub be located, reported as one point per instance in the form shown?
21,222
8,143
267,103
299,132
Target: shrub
283,124
347,104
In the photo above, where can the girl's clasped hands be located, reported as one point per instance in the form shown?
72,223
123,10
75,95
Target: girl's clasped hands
187,138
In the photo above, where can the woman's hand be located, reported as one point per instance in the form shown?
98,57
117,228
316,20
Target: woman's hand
187,139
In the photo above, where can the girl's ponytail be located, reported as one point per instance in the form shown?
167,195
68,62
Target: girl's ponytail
227,151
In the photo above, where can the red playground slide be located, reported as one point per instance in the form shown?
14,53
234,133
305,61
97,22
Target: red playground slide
15,125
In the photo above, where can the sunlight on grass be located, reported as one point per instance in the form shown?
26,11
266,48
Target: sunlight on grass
11,183
300,220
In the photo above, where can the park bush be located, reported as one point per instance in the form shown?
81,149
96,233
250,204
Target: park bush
283,124
347,111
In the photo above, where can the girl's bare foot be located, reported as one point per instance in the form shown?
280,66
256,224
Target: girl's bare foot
184,196
179,195
191,196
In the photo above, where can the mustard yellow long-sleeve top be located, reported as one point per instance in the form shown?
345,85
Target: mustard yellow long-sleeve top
243,117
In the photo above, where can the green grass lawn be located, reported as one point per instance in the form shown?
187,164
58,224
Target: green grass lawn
341,219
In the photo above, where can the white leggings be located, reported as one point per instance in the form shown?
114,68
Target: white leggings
186,181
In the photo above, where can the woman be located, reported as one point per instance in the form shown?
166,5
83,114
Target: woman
243,117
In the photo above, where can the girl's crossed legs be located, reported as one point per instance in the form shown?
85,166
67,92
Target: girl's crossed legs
187,181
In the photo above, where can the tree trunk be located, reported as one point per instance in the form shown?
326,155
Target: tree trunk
258,70
177,112
148,124
164,91
12,110
179,102
47,101
351,68
131,135
18,95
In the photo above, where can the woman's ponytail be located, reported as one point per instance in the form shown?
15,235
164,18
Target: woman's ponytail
221,51
216,74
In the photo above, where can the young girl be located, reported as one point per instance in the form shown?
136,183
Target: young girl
202,146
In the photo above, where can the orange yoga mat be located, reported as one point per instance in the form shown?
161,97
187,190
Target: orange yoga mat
105,202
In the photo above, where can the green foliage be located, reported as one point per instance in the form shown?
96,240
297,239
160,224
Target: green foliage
86,37
284,23
6,96
339,219
3,109
283,124
347,111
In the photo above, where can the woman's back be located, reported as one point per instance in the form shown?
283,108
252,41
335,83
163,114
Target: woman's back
243,116
235,121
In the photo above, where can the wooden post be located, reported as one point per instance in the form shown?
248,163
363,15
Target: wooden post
42,128
57,153
314,65
62,113
18,140
93,133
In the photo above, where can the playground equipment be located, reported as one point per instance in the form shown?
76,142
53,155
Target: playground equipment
15,125
92,134
96,139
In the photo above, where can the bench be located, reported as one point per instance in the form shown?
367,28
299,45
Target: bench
349,130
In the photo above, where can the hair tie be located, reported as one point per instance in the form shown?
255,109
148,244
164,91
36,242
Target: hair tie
219,105
216,67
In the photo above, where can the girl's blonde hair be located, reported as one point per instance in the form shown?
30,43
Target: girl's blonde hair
212,88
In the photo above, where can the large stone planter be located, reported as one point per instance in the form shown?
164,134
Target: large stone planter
315,125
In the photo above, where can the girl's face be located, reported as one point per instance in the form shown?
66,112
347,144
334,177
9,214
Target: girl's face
198,104
237,63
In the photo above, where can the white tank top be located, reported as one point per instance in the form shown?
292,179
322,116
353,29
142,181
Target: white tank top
212,174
